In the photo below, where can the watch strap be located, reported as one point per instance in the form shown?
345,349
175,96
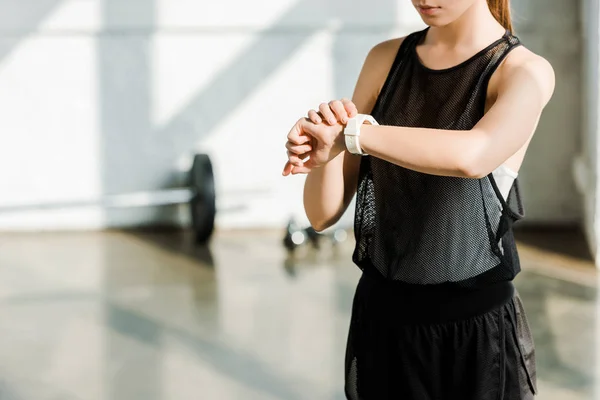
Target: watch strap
352,132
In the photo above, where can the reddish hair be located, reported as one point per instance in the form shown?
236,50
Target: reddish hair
501,11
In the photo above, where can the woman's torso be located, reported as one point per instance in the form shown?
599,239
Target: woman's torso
426,229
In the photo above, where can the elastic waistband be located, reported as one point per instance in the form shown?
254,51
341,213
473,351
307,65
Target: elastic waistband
413,303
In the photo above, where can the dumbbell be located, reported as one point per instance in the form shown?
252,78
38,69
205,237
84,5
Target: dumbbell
296,236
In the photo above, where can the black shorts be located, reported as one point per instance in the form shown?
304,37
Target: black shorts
432,345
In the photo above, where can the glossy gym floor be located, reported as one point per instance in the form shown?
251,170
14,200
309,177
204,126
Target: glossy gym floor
146,315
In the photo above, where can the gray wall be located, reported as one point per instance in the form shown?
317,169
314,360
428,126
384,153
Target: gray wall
551,28
586,165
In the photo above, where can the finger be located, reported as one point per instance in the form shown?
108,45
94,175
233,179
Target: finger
327,114
296,134
295,170
300,170
340,112
314,117
298,148
287,169
299,139
297,159
317,133
350,107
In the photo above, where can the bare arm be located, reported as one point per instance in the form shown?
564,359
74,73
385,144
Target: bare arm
525,87
328,190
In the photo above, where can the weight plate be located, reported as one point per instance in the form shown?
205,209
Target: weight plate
203,203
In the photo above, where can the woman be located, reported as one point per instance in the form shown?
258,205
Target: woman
435,314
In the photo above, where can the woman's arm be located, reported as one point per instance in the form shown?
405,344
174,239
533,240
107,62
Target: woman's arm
525,85
329,189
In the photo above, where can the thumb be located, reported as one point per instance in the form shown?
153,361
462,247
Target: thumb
308,128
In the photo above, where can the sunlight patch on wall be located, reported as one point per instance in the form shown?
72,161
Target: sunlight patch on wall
224,13
184,65
50,141
80,15
249,147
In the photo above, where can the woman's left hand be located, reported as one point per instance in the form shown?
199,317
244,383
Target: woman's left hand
322,141
333,112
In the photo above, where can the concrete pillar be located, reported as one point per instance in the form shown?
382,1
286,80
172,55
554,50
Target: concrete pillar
586,164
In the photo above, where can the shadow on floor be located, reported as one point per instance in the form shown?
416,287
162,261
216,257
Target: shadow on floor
176,241
563,240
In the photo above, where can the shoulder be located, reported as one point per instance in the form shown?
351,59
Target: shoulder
380,59
524,67
382,55
375,70
387,47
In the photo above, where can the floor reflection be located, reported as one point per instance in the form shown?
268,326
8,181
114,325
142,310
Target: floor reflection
147,315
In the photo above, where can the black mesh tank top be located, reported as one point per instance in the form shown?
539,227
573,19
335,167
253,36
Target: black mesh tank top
426,229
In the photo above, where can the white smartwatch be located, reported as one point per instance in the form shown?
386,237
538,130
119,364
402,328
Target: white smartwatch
352,132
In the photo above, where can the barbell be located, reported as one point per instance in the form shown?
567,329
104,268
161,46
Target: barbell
203,206
200,195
